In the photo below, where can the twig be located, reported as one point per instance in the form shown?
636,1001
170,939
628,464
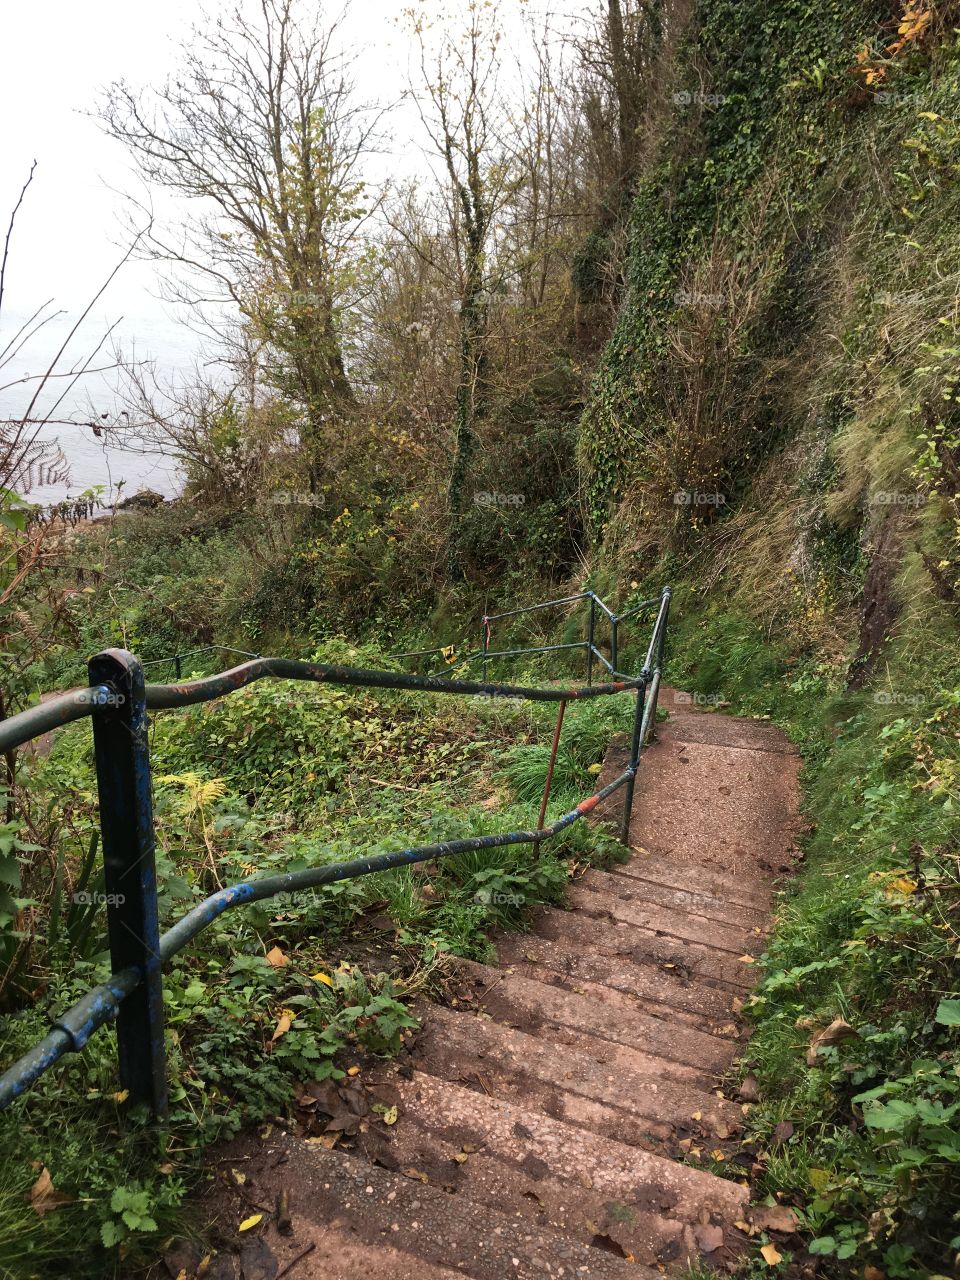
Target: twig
293,1261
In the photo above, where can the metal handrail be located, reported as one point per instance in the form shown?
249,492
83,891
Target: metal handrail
117,700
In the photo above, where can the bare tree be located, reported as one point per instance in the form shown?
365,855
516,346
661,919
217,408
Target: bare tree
262,129
462,114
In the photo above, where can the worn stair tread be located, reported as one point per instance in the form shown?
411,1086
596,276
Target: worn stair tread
500,1154
665,870
589,1089
338,1254
705,964
664,992
665,920
657,1046
682,725
374,1205
691,902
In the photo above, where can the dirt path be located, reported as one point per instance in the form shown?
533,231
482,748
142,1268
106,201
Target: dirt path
559,1116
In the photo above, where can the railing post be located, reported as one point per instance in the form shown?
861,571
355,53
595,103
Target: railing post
591,628
176,667
122,755
486,646
634,760
548,781
614,643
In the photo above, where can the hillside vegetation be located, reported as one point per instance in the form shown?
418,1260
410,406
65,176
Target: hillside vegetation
726,358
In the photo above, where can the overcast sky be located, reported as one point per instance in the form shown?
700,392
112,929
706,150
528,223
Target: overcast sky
55,58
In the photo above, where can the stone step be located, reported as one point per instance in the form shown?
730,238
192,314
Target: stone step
616,938
659,992
665,921
576,1182
657,1046
690,902
665,871
372,1206
592,1089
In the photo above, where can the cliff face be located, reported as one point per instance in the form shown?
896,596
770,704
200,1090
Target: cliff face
774,414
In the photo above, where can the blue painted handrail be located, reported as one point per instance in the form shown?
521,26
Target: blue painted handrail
117,701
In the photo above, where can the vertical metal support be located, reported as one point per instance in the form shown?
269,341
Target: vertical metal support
486,646
176,667
591,628
614,643
634,760
548,782
122,754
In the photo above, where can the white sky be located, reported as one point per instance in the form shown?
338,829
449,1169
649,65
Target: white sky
55,57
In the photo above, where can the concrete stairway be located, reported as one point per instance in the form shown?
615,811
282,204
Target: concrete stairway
561,1114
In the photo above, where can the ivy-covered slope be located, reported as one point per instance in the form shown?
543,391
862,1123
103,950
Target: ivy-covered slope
773,427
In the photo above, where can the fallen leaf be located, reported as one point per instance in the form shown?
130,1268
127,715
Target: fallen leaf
416,1174
838,1031
709,1238
781,1133
770,1255
284,1023
775,1217
238,1177
461,1157
328,1140
750,1089
873,1273
43,1194
322,977
747,960
718,1155
696,1115
353,1071
276,958
122,1096
248,1223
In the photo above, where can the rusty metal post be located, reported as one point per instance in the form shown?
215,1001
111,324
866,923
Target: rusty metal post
549,778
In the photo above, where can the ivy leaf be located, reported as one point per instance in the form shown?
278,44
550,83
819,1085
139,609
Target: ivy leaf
948,1013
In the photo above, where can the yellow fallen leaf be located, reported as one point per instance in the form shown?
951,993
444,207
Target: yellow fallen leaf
770,1255
322,977
250,1222
415,1173
353,1071
461,1157
718,1155
390,1115
327,1140
284,1023
746,960
122,1096
276,958
697,1115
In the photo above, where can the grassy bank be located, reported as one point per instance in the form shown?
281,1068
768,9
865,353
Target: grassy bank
857,1125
